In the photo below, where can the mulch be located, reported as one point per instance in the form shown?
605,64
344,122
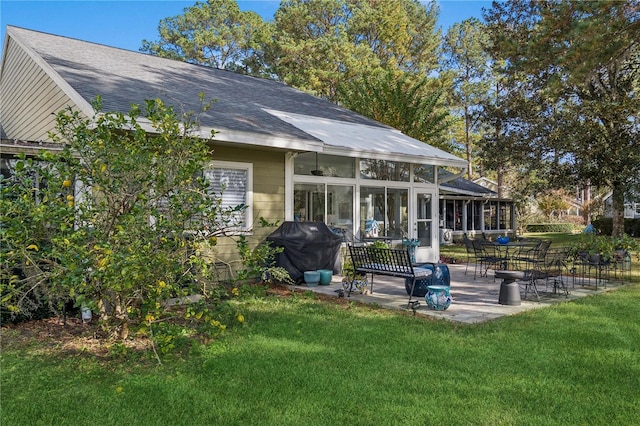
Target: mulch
71,336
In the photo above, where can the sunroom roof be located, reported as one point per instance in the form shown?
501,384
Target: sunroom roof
361,140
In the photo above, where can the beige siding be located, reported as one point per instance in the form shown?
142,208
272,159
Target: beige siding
30,98
268,194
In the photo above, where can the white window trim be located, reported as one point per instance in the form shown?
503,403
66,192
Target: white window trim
249,194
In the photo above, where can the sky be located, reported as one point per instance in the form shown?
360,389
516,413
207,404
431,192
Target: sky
125,23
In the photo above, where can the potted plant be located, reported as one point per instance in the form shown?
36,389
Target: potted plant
352,278
627,244
593,248
624,246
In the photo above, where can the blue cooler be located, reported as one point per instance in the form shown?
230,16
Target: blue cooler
441,276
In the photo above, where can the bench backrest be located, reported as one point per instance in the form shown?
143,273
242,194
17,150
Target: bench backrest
382,260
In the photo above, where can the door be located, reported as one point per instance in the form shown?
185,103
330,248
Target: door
423,227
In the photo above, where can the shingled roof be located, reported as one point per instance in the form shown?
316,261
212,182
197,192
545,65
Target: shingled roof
462,187
247,109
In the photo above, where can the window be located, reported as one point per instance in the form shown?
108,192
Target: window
505,215
474,210
314,164
309,202
340,206
384,170
233,183
37,182
423,173
384,212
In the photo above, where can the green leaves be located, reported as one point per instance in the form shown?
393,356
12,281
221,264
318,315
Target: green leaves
213,33
120,239
569,100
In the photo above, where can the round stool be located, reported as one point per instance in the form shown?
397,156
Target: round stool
438,297
509,289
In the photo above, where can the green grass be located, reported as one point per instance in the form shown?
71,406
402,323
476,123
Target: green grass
299,360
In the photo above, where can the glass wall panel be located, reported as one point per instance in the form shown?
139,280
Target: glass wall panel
340,207
312,164
372,206
384,170
308,202
384,212
448,213
505,215
423,173
491,216
397,223
457,215
451,211
474,216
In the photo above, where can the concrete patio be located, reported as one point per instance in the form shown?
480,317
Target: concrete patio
473,300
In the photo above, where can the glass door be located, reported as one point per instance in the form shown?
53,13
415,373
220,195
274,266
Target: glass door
423,228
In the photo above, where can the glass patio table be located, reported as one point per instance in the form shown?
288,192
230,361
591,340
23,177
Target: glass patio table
515,254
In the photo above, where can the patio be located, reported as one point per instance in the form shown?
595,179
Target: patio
473,300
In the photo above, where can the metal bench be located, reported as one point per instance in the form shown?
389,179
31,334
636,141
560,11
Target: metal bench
387,261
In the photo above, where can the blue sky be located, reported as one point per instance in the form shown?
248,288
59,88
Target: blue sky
125,23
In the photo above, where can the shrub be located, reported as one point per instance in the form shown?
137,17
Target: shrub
605,226
120,239
550,227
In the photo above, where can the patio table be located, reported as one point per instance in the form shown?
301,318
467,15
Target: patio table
515,252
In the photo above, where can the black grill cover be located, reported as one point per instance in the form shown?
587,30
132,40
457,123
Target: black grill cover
308,246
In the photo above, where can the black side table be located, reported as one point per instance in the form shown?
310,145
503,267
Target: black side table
509,289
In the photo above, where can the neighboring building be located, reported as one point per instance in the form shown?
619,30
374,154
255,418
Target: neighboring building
467,207
631,208
292,155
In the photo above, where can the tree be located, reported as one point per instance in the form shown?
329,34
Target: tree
553,203
572,69
406,102
319,45
217,34
120,239
466,59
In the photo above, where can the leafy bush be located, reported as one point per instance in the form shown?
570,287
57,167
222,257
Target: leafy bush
550,227
605,226
260,263
119,240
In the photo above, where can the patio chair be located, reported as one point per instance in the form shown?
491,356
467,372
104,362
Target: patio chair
621,264
534,268
556,268
522,252
471,256
591,268
485,257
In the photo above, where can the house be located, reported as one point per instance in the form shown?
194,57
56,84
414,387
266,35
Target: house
631,206
293,156
468,207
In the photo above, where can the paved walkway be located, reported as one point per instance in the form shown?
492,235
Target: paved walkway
473,301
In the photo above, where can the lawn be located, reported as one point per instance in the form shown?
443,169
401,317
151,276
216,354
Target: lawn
300,360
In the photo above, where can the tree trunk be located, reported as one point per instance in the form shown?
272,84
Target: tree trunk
586,203
617,210
467,141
